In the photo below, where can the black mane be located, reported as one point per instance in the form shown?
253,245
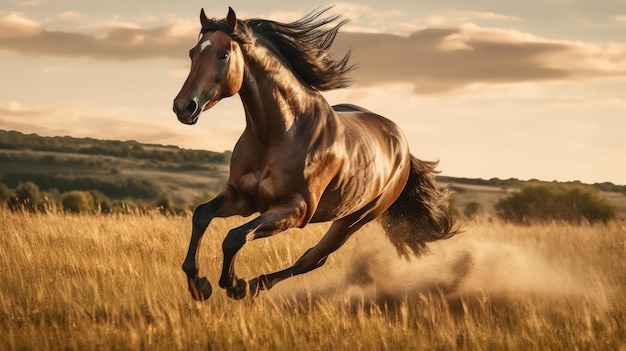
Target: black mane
302,45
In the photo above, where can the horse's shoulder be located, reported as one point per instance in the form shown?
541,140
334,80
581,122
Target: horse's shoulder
349,108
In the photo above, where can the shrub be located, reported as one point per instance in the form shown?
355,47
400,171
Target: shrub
77,201
27,198
5,193
472,209
164,205
543,202
117,188
101,202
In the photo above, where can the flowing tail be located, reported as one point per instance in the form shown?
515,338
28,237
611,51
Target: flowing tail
420,214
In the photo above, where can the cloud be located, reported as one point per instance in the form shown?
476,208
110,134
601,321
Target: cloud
25,3
432,59
121,41
437,60
71,15
15,26
14,109
620,19
454,18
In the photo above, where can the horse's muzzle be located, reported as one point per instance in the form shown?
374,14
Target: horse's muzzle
187,113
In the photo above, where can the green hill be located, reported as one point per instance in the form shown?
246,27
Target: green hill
118,169
145,173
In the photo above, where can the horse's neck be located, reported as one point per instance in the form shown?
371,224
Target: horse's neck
274,99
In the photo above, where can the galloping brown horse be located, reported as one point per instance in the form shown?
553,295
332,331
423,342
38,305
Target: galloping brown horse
299,160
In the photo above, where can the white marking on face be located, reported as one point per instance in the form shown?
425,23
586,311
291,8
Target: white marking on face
205,44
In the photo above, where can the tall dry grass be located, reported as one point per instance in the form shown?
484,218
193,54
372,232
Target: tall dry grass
114,282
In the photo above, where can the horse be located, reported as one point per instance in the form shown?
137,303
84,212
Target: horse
300,160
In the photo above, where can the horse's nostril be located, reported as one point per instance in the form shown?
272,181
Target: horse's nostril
190,106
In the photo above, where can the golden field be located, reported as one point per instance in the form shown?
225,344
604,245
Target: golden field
100,282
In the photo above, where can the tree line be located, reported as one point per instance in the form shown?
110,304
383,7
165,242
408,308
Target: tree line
14,140
28,197
541,202
533,203
516,183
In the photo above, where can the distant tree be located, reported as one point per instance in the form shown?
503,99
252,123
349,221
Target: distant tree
453,208
5,194
544,202
77,201
27,197
164,205
472,209
101,202
608,186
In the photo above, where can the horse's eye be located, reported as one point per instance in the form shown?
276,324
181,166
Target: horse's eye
223,57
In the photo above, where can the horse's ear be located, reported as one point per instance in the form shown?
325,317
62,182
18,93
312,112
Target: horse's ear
231,18
203,18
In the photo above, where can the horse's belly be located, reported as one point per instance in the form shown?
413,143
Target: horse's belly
342,199
361,182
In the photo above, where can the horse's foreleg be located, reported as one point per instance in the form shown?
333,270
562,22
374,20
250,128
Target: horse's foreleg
289,214
199,287
221,206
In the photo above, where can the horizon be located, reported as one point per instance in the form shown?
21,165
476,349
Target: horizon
226,151
522,89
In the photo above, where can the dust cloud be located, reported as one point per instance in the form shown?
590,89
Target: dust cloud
462,267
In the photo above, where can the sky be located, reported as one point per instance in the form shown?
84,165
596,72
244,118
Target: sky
532,89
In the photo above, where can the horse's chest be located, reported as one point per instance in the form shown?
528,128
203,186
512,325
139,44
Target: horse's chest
265,187
248,183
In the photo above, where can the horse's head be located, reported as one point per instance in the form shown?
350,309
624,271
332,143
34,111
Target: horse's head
217,69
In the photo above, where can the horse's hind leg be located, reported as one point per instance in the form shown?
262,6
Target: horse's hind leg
316,256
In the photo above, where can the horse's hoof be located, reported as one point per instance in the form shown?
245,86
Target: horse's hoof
201,289
239,291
